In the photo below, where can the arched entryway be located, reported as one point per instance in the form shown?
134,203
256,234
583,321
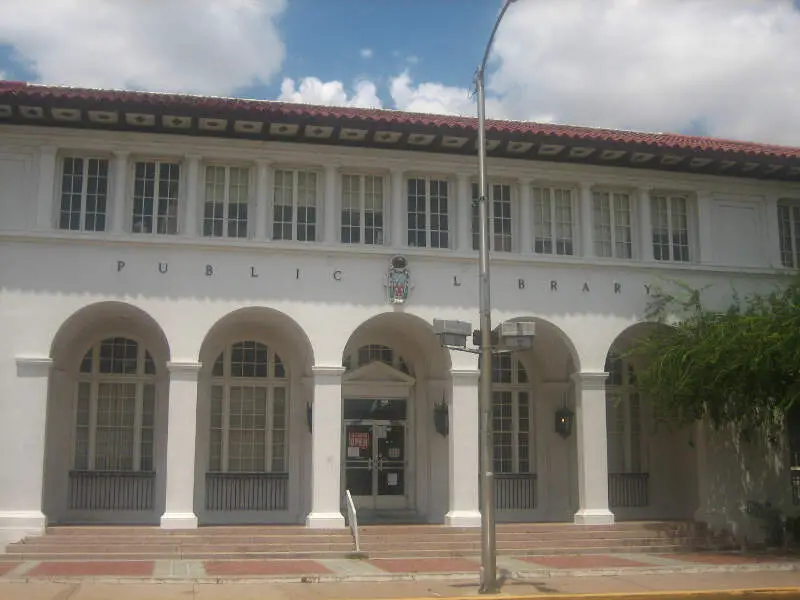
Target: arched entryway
652,464
396,373
253,440
107,418
535,466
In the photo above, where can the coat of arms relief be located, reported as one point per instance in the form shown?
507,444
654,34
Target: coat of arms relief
398,280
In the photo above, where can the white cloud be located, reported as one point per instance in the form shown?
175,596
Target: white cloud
329,93
731,68
412,60
209,47
366,53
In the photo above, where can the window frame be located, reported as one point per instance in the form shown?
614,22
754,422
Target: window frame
620,389
613,225
512,215
270,383
552,189
226,220
689,202
789,249
318,204
362,210
86,158
515,388
181,182
428,212
95,379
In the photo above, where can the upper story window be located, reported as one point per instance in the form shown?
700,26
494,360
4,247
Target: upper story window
500,238
362,209
553,225
670,215
155,197
428,213
227,197
295,205
612,222
789,226
84,194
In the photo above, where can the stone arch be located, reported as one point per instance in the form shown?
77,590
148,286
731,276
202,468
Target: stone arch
280,393
554,355
74,487
652,467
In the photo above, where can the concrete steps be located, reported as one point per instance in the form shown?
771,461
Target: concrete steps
377,541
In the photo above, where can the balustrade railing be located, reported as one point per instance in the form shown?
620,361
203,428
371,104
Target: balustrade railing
111,490
515,491
246,491
628,490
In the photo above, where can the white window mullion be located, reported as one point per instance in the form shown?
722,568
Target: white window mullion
93,422
84,192
137,426
515,432
226,412
268,423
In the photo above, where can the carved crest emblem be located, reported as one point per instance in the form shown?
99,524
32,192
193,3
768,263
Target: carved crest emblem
398,280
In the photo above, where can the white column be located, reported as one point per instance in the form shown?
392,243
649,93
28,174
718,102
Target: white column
587,234
590,421
23,480
181,433
331,222
645,226
47,187
118,203
464,213
397,201
526,217
326,451
192,216
263,197
463,438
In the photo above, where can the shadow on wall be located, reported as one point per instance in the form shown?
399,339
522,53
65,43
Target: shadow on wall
741,476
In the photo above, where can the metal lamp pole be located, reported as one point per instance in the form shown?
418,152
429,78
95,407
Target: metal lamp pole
488,546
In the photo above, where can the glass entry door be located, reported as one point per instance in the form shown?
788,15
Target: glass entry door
375,463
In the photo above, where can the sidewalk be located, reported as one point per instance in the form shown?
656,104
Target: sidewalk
396,578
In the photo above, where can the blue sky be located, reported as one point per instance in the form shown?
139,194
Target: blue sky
726,68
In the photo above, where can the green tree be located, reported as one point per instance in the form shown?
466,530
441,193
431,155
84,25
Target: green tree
740,366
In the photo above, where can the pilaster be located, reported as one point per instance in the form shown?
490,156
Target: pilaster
587,233
463,214
119,192
330,202
526,216
592,449
645,226
263,196
704,239
45,201
397,202
191,218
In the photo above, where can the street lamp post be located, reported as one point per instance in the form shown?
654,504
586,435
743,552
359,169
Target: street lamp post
488,546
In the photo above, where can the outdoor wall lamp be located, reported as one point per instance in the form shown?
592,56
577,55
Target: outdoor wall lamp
309,416
441,418
564,421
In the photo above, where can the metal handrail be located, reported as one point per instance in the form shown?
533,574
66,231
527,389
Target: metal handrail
352,519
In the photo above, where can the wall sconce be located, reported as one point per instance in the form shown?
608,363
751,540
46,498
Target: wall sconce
441,418
309,416
564,421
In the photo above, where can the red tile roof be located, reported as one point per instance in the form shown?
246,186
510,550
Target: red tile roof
267,109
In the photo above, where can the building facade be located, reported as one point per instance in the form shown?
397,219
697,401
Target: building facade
219,311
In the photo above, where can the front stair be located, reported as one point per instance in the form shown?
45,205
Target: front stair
377,541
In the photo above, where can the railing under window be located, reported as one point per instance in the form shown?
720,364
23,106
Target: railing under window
111,490
627,490
515,491
247,491
795,485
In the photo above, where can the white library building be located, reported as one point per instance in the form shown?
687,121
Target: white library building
220,311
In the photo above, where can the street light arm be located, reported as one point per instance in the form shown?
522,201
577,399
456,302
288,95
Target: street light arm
482,66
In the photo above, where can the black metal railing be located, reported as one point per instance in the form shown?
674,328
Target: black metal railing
515,491
111,490
627,490
247,491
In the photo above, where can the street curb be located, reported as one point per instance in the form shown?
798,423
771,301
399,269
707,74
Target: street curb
518,576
